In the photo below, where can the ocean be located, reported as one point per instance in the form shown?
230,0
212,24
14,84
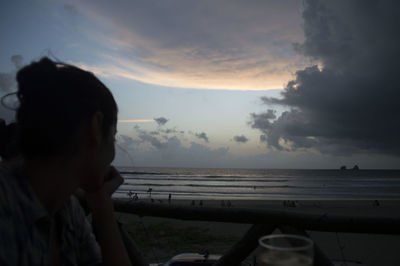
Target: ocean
259,184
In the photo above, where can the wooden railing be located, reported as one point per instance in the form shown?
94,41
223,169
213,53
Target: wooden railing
264,222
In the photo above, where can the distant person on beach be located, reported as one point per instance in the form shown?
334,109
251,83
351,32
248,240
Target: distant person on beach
66,132
149,191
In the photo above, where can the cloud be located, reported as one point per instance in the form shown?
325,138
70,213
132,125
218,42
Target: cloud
157,148
7,80
206,44
154,141
132,153
348,103
173,154
8,84
71,9
240,139
18,61
161,121
171,131
159,139
178,155
202,136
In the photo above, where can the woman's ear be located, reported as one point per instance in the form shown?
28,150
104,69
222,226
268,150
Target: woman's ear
96,128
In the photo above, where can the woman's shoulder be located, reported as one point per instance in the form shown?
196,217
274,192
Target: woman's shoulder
8,185
13,187
7,176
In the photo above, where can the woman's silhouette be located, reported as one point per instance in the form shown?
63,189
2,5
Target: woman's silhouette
66,128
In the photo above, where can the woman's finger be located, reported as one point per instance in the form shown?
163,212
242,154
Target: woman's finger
114,181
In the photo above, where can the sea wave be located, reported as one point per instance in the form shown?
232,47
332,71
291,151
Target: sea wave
261,184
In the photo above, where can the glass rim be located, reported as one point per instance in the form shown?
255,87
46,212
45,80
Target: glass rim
308,242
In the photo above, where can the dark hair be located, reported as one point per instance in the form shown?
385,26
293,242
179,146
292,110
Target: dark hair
8,140
56,100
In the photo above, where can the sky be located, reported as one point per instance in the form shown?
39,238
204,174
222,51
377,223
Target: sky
227,83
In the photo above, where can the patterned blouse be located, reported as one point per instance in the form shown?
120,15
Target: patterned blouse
25,227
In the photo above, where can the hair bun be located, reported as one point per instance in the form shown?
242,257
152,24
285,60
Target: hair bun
35,78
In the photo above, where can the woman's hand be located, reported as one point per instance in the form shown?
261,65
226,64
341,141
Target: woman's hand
100,200
104,223
112,181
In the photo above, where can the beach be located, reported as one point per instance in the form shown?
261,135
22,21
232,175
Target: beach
160,238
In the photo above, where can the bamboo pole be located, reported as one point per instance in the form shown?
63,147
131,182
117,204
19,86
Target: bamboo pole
324,222
242,249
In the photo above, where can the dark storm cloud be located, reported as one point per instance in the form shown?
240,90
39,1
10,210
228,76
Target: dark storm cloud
348,104
161,121
202,136
240,139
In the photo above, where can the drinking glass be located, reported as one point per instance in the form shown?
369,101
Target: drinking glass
285,250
